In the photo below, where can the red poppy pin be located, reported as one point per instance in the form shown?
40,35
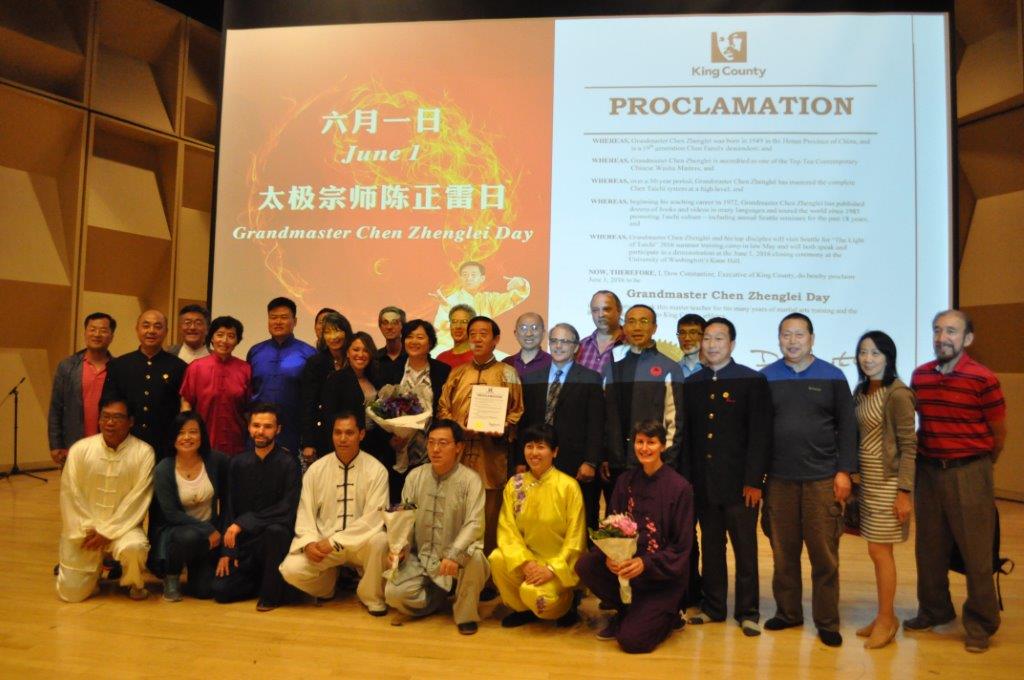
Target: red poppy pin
656,371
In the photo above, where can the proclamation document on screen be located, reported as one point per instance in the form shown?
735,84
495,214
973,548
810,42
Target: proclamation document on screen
749,167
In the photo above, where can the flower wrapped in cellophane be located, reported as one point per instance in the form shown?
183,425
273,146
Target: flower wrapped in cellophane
616,537
399,520
401,410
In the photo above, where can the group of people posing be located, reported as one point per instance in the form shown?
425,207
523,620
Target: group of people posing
264,478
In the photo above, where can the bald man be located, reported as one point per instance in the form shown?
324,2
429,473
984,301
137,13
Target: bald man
148,379
530,361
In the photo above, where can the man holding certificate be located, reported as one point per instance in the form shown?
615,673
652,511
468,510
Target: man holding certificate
486,397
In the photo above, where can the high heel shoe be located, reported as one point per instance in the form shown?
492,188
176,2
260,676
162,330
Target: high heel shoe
866,630
880,637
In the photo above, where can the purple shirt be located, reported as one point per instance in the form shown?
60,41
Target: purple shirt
541,362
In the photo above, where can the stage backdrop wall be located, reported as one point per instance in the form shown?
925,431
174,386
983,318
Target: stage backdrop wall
106,152
108,116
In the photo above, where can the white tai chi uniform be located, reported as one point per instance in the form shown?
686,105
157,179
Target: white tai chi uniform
341,503
109,491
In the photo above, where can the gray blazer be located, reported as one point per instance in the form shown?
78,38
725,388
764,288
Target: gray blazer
67,416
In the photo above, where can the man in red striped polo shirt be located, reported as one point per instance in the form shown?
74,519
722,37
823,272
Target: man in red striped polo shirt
962,431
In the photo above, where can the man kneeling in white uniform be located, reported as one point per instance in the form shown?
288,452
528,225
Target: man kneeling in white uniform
105,491
339,522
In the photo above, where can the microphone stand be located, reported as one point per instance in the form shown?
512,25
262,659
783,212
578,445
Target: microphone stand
15,470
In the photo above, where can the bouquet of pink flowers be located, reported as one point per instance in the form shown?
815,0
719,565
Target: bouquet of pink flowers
616,537
399,520
400,410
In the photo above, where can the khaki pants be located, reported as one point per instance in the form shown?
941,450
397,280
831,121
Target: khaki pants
420,596
805,513
80,569
319,578
956,504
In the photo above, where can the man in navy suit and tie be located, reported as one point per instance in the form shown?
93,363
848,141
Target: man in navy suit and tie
569,397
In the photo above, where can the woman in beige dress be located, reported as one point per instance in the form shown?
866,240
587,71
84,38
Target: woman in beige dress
888,447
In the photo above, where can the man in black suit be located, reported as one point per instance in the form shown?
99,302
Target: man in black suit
569,397
727,426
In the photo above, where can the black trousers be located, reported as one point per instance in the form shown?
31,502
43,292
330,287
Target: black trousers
190,547
592,500
740,524
693,583
257,573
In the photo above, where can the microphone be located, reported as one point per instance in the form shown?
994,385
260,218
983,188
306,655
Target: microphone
15,388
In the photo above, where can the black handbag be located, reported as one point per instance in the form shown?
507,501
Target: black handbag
851,511
1000,565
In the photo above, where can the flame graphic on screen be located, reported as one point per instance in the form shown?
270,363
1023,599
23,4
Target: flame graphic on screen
460,153
295,285
457,154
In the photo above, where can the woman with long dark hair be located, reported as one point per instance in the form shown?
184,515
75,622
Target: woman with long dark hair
336,334
888,447
185,516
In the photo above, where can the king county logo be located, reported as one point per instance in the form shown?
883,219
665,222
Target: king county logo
729,48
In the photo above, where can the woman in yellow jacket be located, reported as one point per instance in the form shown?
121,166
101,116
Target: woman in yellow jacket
541,534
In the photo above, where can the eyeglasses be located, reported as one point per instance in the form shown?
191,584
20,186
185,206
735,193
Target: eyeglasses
639,322
113,417
191,323
530,327
561,342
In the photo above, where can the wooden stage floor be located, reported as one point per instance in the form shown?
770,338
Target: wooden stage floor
110,635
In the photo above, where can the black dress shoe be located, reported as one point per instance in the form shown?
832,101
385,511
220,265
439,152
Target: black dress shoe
831,638
778,623
467,628
568,619
516,619
921,623
265,606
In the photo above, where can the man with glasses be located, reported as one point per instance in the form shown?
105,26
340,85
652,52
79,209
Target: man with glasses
193,323
458,325
105,491
444,555
570,399
689,331
390,321
530,360
643,385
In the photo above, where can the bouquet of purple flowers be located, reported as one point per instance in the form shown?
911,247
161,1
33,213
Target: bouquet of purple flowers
400,410
616,537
